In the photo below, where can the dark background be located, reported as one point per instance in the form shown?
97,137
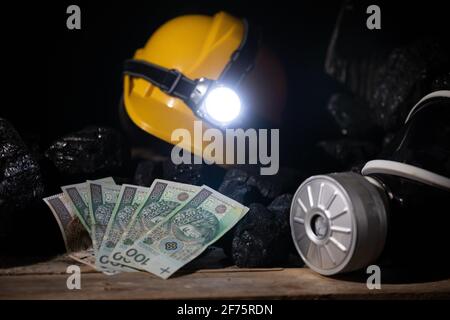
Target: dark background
61,80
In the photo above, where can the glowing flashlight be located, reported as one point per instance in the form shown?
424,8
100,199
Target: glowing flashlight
222,104
216,103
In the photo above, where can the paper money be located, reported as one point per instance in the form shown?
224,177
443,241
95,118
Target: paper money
130,198
157,229
163,198
186,233
78,195
74,234
102,199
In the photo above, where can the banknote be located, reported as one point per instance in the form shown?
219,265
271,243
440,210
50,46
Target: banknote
102,199
130,198
73,232
78,196
157,229
163,198
186,233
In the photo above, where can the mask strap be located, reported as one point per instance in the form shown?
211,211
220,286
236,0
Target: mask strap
442,94
170,81
406,171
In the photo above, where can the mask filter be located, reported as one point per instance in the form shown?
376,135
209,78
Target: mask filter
338,222
341,222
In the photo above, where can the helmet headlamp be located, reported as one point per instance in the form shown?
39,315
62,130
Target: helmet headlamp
215,101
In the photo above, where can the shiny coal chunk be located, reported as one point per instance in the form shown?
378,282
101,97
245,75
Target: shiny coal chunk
352,115
88,151
144,174
405,78
235,186
260,239
281,207
246,188
20,177
183,173
226,241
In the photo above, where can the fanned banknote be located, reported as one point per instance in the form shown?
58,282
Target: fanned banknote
163,198
157,229
186,233
78,195
102,199
130,198
73,232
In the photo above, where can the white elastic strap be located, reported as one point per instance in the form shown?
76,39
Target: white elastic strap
435,94
406,171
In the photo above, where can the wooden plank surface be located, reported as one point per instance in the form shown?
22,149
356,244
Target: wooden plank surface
47,280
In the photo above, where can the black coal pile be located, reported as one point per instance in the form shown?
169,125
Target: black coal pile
404,78
248,186
92,150
235,185
239,185
27,174
263,237
281,207
383,76
21,182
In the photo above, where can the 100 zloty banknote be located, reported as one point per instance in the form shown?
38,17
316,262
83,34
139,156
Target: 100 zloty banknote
102,200
130,198
78,195
163,198
185,234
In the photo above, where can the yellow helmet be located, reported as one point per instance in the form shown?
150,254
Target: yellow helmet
189,70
